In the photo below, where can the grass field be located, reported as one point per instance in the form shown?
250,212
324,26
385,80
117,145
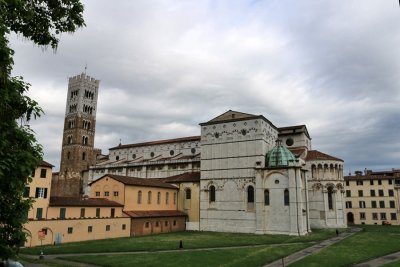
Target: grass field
170,241
373,242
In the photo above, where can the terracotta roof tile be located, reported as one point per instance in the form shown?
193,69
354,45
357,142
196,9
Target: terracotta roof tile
127,180
82,202
45,164
159,142
155,213
316,155
184,177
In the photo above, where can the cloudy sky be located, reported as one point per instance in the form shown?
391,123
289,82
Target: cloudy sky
166,66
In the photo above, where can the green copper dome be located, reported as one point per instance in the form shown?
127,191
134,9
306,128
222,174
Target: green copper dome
278,156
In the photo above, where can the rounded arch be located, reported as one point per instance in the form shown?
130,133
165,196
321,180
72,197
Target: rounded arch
350,218
250,194
211,193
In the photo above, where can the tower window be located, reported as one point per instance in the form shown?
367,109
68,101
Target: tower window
250,194
83,156
266,197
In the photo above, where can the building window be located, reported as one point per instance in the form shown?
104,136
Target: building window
347,183
108,227
359,182
330,198
360,193
174,198
250,194
374,216
391,203
349,205
286,197
266,197
393,216
97,193
158,198
373,204
166,223
379,182
211,194
139,197
98,212
188,193
123,226
381,204
362,204
62,213
371,182
390,192
157,224
116,193
362,215
106,193
82,212
372,192
383,216
26,191
149,197
83,156
167,198
39,213
68,155
174,223
348,193
112,215
43,173
380,193
41,192
147,224
90,229
390,181
70,229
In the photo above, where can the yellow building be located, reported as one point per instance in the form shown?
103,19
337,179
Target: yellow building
152,204
54,220
39,190
373,197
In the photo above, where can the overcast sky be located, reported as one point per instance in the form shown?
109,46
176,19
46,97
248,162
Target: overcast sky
166,66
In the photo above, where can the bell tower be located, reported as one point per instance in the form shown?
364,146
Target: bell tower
78,152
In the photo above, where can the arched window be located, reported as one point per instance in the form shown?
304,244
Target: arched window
266,197
68,155
174,198
188,193
167,198
149,197
212,194
158,198
139,197
286,197
330,198
250,194
83,156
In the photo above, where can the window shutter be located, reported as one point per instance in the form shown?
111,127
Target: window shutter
45,193
37,192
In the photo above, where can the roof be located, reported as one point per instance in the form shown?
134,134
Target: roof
278,156
127,180
182,178
45,164
159,142
317,155
155,213
290,130
231,115
82,202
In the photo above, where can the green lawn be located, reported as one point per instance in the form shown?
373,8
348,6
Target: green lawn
170,241
375,241
237,257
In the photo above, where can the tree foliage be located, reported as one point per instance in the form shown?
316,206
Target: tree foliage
40,21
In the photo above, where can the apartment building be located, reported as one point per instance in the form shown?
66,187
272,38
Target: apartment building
373,197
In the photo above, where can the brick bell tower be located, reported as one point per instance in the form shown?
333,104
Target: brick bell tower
78,152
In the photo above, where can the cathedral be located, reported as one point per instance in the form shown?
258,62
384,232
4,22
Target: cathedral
241,174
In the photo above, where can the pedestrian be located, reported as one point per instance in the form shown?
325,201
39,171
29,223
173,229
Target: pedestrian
337,232
180,245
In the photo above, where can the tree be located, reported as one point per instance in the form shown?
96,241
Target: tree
40,21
